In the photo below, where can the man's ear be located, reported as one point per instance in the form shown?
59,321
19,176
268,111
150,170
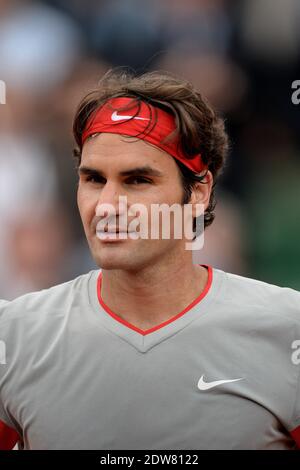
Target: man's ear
201,194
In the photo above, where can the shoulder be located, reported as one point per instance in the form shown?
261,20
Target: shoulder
46,302
3,303
262,296
35,326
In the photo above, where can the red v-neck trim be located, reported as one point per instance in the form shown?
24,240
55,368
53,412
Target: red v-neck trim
161,325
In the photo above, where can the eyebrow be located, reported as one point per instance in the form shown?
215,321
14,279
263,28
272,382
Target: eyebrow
138,171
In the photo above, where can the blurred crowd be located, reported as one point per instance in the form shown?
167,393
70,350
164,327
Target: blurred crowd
243,55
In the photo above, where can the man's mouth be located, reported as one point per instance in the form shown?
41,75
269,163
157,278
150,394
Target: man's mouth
113,230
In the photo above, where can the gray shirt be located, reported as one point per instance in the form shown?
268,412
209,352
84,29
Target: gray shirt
79,377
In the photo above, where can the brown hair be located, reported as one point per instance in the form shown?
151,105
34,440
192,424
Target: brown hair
198,127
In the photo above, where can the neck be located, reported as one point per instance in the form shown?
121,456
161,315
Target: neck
149,297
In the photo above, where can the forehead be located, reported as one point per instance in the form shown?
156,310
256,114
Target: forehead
121,150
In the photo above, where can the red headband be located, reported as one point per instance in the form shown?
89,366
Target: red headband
135,118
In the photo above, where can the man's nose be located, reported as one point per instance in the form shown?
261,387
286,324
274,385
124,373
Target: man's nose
111,200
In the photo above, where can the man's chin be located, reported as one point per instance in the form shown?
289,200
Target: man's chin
114,261
129,261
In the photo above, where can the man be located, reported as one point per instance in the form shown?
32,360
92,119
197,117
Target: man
152,351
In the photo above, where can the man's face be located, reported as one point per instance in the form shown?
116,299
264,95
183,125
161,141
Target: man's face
111,166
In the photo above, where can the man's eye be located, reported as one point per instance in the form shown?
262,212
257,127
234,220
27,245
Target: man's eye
93,179
138,180
90,179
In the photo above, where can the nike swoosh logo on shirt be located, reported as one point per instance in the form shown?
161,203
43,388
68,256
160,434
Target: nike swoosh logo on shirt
118,117
202,385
